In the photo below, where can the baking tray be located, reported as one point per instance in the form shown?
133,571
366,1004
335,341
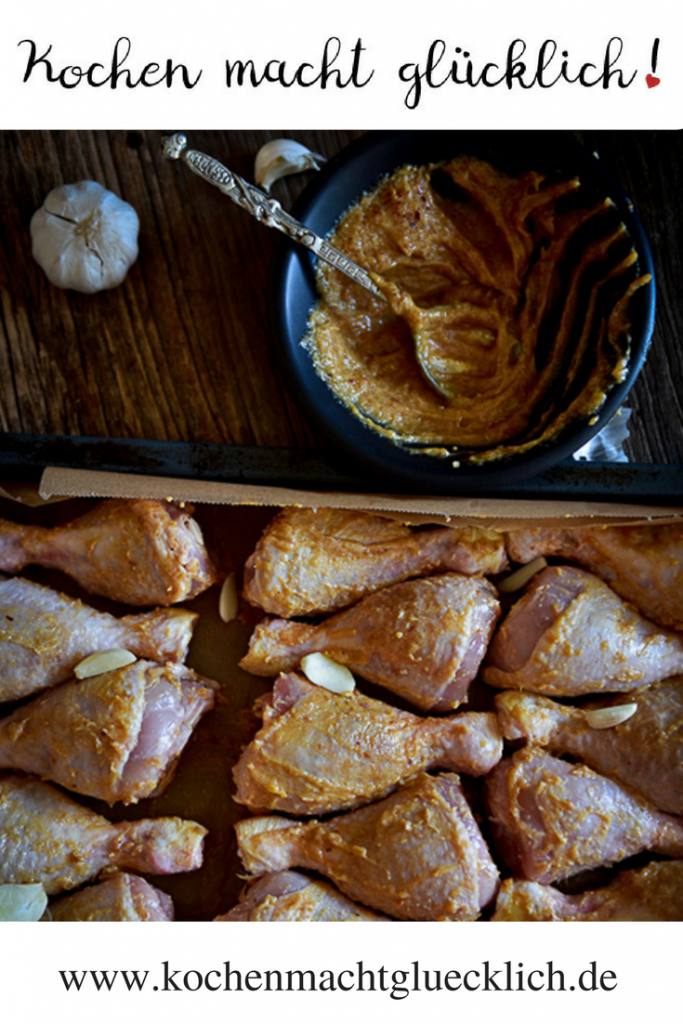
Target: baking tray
24,456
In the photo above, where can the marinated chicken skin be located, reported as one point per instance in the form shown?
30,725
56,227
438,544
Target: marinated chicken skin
551,819
291,896
122,897
115,736
423,640
643,564
645,752
653,893
312,561
44,635
139,552
319,751
416,855
571,634
47,837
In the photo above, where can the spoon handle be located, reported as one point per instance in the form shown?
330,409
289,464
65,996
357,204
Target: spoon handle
263,207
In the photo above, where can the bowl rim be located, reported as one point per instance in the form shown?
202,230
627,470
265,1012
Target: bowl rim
293,275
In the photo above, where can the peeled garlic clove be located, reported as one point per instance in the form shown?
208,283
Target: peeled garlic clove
282,157
607,718
228,603
22,902
329,674
103,661
518,579
84,237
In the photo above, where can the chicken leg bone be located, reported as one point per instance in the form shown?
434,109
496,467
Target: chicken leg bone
115,736
139,552
645,752
122,897
643,564
570,634
47,837
552,819
44,635
319,752
416,855
291,896
652,893
423,639
311,561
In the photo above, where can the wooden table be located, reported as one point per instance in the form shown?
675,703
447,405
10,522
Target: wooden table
180,352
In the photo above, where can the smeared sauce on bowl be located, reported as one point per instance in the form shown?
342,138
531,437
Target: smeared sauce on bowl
517,288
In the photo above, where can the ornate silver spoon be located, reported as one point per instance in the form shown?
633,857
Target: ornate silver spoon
438,371
263,207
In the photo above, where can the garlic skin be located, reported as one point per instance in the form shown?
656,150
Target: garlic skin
281,157
84,237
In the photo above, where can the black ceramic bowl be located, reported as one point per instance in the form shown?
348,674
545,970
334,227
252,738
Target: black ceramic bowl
356,170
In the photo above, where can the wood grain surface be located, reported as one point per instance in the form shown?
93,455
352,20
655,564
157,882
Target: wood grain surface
181,350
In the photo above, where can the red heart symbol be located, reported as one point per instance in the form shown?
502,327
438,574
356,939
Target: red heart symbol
651,81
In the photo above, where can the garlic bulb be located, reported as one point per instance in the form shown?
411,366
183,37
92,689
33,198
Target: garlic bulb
282,157
84,237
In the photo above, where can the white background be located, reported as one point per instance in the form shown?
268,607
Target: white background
202,35
645,958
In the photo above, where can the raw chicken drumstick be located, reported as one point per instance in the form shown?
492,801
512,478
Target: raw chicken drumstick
570,634
138,552
319,751
645,752
643,564
417,855
552,819
291,896
310,561
653,893
46,837
44,635
115,736
423,639
122,897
